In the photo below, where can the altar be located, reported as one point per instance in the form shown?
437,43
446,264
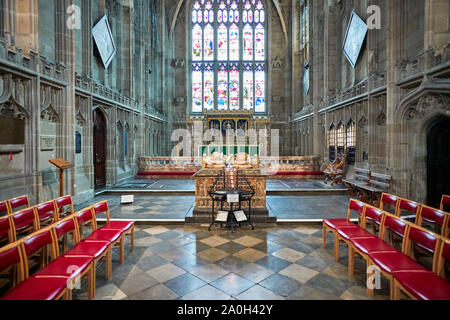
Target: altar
205,178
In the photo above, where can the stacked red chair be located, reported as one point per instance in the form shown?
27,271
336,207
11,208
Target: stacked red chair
425,285
4,209
445,203
438,218
394,262
24,221
365,246
46,212
18,202
408,206
389,200
346,233
126,227
332,224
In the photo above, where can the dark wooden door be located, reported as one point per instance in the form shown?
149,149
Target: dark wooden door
99,150
438,161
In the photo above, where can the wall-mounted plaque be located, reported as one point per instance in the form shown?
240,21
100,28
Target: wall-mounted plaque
104,41
354,38
77,142
48,143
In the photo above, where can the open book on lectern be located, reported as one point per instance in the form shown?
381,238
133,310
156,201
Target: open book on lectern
240,215
222,216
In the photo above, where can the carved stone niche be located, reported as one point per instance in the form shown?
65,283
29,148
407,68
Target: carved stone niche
381,119
11,109
50,114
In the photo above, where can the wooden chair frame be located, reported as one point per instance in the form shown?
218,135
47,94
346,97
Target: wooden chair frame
16,270
445,223
107,255
407,251
444,196
326,228
10,200
439,271
338,240
34,227
89,273
129,232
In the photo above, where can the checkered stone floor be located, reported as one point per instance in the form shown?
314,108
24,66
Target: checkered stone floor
269,263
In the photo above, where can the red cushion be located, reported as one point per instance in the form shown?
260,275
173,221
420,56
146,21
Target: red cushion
9,257
105,235
118,225
45,216
353,232
424,285
66,266
334,223
395,261
366,245
94,249
35,288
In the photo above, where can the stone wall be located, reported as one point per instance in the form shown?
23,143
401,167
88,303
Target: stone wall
52,79
399,86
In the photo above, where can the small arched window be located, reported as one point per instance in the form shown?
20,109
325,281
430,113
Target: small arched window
332,142
351,141
340,137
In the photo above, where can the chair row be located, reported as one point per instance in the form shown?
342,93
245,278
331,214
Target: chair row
421,212
32,218
400,266
57,278
11,205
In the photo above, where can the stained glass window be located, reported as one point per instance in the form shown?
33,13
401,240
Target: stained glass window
351,142
228,55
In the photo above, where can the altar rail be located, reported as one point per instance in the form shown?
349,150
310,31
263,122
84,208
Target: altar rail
283,167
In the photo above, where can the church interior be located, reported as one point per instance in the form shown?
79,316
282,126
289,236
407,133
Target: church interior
224,150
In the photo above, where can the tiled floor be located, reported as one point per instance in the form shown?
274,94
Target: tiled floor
269,263
177,207
188,184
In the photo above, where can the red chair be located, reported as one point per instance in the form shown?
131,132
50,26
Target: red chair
445,202
11,262
24,221
389,200
64,206
114,237
127,227
97,250
364,246
345,233
40,288
18,202
46,213
6,230
331,224
4,208
71,268
391,263
408,206
437,217
33,288
425,285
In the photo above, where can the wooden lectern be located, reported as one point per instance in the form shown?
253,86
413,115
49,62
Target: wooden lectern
62,165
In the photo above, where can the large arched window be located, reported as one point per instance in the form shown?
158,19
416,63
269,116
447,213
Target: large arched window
228,54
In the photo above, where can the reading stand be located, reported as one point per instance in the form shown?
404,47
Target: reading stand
232,189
